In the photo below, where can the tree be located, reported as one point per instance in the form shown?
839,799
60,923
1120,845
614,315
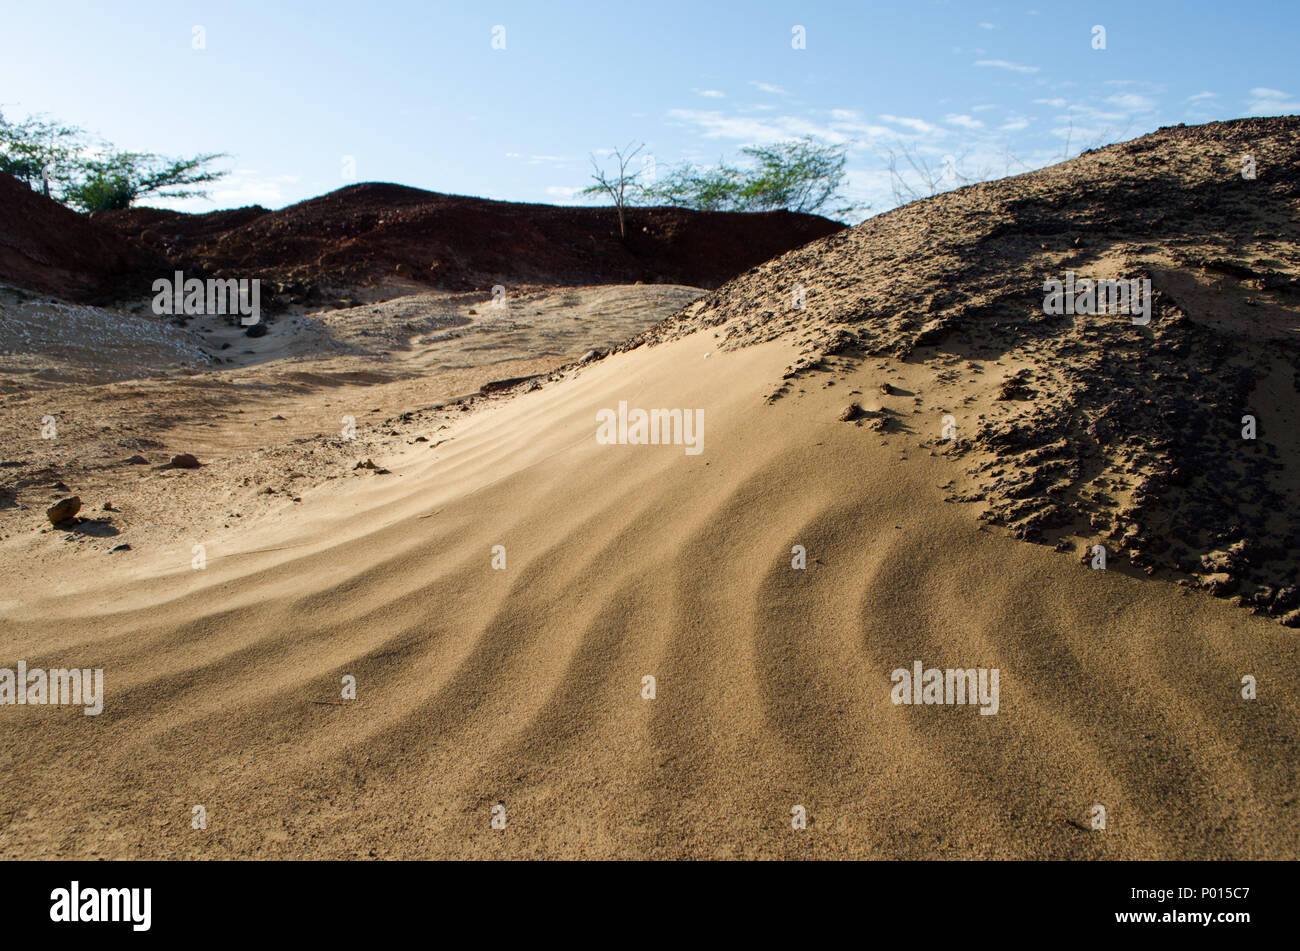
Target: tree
38,152
800,175
703,189
622,187
914,177
121,178
43,153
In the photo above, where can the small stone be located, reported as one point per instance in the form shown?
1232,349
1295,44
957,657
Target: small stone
184,460
137,460
849,413
122,547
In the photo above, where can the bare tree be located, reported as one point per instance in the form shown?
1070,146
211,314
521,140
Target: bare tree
912,177
622,187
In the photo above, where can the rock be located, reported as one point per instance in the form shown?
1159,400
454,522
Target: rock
403,270
122,547
108,506
63,510
1292,619
1286,598
365,464
591,355
257,330
1220,584
887,389
149,237
849,413
184,460
137,460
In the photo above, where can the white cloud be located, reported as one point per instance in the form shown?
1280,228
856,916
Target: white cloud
243,187
714,124
711,93
767,87
1202,95
1006,64
562,192
1054,103
919,126
1132,102
987,26
965,121
1270,102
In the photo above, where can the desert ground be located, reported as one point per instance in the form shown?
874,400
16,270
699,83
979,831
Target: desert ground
499,583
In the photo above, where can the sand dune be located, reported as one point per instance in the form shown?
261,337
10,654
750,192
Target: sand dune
522,686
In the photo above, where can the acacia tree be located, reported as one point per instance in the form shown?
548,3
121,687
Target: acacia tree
621,186
49,156
801,175
38,152
121,178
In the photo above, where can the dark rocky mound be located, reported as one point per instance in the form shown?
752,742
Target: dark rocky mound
374,232
1103,431
51,249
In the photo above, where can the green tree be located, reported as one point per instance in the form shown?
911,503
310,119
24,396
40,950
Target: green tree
38,152
703,189
119,179
801,175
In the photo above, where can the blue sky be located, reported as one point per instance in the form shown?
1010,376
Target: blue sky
415,92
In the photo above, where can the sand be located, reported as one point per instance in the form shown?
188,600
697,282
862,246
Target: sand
522,687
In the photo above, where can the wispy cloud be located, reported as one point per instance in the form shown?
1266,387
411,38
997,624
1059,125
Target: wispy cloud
716,124
767,87
711,93
964,121
1006,64
919,126
1131,102
1269,102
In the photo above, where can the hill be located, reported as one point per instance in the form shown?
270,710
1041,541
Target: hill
376,232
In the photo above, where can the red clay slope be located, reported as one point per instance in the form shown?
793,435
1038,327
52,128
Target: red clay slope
370,232
51,249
